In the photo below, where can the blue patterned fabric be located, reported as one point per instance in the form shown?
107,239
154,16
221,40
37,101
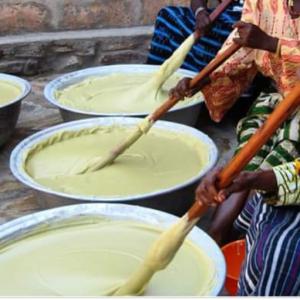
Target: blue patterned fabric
272,263
175,24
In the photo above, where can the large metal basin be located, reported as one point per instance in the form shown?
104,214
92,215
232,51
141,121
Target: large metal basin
75,215
175,200
9,113
187,115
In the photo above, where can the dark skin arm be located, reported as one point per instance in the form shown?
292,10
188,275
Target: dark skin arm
202,19
209,194
250,36
295,10
183,89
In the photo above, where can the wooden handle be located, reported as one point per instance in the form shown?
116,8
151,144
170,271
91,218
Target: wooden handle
219,9
284,109
213,65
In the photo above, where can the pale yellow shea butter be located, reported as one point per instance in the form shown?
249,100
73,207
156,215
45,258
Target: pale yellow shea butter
9,92
92,260
128,93
159,160
119,93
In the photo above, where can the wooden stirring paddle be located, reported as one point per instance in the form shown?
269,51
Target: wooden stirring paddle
165,248
167,69
144,126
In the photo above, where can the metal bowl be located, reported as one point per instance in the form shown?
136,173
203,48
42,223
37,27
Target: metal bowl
75,215
9,112
187,114
175,200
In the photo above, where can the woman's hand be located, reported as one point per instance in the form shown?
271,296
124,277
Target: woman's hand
183,89
203,21
252,36
199,8
259,180
208,193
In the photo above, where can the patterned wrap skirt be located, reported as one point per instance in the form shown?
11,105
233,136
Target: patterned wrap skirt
272,265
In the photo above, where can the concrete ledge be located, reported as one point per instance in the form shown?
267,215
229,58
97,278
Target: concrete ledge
76,34
36,53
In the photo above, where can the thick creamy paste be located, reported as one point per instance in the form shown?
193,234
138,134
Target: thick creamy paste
128,93
159,160
118,93
92,260
159,256
9,92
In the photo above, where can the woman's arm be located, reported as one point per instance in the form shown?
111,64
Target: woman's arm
252,36
280,185
199,7
288,184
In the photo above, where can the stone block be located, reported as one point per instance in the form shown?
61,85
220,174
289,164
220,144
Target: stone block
61,46
151,8
12,66
23,17
36,50
65,63
100,14
125,43
27,67
85,47
123,57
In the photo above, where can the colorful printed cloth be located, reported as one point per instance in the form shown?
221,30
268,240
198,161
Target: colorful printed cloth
272,264
282,147
234,76
288,182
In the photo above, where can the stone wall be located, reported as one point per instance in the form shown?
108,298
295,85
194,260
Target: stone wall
47,36
20,16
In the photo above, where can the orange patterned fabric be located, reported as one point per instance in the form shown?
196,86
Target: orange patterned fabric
235,76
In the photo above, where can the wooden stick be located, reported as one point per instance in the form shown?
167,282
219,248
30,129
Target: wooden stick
212,66
157,114
166,246
195,35
214,15
284,109
166,106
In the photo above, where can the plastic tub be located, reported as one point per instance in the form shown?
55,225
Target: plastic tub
234,254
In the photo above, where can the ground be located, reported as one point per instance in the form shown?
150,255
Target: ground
17,200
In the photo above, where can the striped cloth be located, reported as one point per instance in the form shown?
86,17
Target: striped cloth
272,263
175,24
288,182
284,145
